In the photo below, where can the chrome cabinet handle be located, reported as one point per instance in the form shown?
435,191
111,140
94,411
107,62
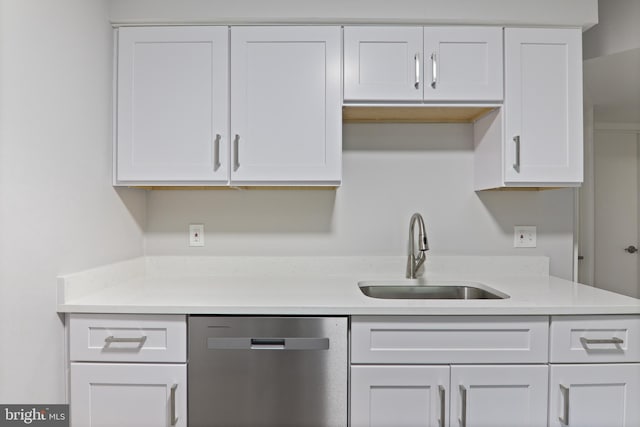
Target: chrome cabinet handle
615,340
416,58
463,415
564,419
516,165
236,154
216,152
441,392
434,70
174,419
111,339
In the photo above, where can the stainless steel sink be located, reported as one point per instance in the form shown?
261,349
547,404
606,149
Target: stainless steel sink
426,290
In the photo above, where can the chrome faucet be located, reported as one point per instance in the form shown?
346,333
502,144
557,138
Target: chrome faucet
415,262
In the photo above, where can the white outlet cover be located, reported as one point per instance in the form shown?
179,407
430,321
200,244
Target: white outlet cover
524,236
196,234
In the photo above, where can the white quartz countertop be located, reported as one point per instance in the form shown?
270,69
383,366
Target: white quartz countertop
303,286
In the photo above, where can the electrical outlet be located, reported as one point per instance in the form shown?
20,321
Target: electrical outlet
524,236
196,234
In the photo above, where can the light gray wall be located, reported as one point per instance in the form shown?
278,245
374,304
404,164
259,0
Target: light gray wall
58,211
617,29
390,171
578,13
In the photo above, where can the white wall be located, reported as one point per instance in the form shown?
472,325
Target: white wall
58,211
617,29
520,12
390,171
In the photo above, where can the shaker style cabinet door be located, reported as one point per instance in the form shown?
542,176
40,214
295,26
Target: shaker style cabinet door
463,64
128,395
172,105
595,395
383,64
399,396
543,106
286,117
499,396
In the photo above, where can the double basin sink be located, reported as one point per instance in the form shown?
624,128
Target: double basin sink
416,289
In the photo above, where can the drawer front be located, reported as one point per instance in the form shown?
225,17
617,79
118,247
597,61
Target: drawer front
449,339
127,338
593,339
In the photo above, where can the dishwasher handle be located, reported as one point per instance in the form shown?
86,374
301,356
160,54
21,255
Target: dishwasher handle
267,343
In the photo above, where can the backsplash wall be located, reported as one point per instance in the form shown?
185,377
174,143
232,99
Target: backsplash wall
389,172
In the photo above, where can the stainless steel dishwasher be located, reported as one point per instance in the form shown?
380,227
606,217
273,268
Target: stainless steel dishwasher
267,371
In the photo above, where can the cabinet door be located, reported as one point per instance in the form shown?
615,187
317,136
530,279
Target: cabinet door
543,106
399,396
172,105
595,395
499,396
286,115
383,64
128,395
463,63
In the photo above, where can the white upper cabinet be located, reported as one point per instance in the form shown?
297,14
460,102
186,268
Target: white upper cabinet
172,105
383,63
535,139
422,64
543,106
175,101
286,121
463,63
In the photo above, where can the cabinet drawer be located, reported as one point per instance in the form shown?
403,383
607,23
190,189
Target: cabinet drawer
127,338
592,339
449,339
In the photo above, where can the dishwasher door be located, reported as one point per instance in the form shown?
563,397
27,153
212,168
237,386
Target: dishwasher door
267,371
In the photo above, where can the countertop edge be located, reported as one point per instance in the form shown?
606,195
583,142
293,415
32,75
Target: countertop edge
348,311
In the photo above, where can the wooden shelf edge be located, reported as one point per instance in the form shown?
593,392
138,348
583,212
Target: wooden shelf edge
414,114
248,187
522,188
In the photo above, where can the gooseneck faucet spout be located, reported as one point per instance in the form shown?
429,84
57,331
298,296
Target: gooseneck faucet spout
415,262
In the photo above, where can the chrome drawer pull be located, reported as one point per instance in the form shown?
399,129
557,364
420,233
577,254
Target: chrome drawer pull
111,339
216,153
174,419
614,340
441,392
564,419
236,152
434,70
463,415
516,164
416,58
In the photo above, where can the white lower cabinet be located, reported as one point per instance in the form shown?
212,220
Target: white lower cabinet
399,396
439,396
128,370
590,395
595,371
449,371
498,396
128,395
